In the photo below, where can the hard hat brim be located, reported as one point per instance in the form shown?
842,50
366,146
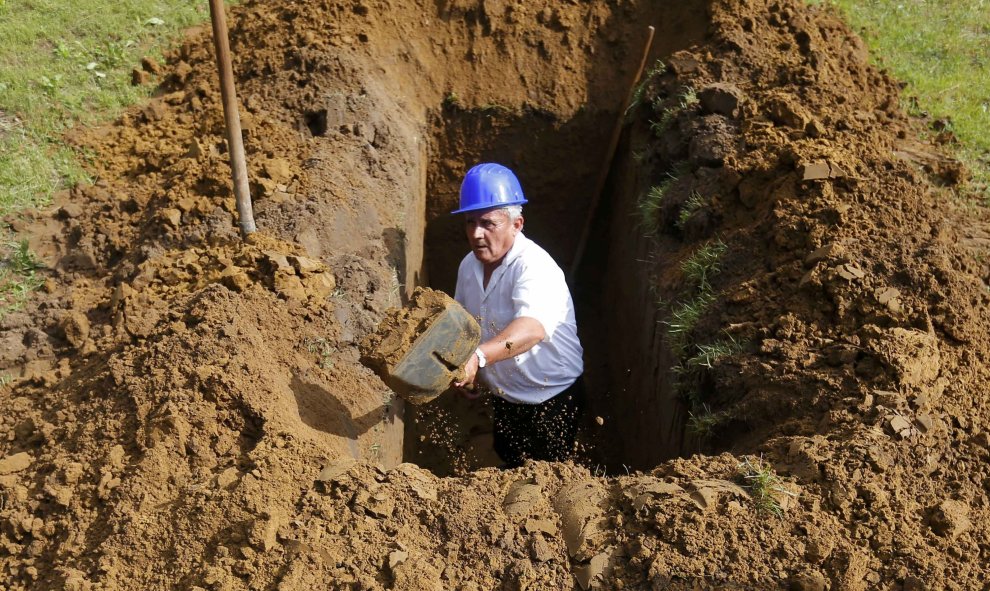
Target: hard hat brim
480,206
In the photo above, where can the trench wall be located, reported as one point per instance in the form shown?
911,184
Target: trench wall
542,104
644,417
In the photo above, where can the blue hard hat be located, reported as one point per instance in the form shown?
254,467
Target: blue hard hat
489,185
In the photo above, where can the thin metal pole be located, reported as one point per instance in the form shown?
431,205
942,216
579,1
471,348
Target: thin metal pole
235,143
609,155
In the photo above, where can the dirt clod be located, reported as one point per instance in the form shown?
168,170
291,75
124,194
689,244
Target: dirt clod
15,463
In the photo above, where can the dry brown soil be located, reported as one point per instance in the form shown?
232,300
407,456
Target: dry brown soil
189,410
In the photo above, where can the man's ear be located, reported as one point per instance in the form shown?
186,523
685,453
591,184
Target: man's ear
518,223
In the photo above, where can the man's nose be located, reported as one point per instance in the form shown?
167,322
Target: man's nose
477,233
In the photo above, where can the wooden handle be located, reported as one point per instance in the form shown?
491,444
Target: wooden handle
235,143
613,143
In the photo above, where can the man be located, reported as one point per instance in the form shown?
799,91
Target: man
530,357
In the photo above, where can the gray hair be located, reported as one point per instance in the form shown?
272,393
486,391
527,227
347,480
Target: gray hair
513,211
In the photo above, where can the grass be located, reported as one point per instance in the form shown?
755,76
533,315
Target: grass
764,485
18,275
452,101
942,51
703,423
323,350
492,109
649,206
697,270
704,263
637,95
68,63
64,64
684,317
687,99
694,203
707,356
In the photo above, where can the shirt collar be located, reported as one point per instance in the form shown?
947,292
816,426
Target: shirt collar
518,246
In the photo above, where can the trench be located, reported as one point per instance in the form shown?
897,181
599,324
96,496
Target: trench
633,419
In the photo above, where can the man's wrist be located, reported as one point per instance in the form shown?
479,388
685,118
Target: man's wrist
482,360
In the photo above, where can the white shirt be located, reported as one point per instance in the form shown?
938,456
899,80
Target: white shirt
527,283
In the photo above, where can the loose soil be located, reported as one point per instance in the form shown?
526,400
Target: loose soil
189,410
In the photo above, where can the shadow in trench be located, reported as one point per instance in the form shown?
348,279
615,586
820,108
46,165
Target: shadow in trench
558,161
320,409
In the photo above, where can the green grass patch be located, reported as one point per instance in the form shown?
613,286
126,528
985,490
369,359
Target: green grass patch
18,275
685,316
942,51
694,203
704,263
764,485
687,99
698,270
637,96
707,356
324,351
703,422
649,206
65,63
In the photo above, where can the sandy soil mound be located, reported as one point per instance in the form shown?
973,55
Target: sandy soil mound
190,411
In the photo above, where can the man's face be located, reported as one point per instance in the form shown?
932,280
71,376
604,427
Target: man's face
491,234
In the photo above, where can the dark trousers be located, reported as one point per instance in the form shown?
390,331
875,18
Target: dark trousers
544,431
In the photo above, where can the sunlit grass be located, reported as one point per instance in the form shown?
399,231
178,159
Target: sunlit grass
65,63
941,49
18,275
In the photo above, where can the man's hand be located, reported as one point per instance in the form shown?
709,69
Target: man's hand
467,386
517,338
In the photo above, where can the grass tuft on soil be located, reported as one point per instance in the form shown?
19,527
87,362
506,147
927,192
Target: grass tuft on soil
685,100
18,275
651,203
708,356
703,422
694,204
637,96
764,485
704,263
685,316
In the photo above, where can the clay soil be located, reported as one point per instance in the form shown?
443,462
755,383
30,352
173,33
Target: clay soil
189,410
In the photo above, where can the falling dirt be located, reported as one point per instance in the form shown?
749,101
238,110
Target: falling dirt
188,410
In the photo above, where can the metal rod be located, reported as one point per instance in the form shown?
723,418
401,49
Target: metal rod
235,143
609,155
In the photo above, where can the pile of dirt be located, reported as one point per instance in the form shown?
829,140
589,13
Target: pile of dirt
190,410
840,318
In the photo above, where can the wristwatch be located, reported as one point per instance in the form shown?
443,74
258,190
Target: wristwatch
482,360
